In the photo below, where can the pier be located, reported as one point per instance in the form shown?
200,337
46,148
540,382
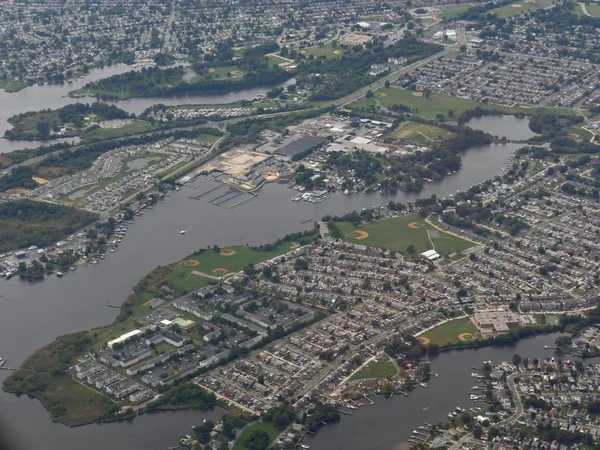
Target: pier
243,201
371,402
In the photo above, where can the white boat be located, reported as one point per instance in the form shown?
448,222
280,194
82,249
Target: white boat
182,232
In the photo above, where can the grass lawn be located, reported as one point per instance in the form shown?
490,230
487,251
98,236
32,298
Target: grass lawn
422,133
103,335
235,73
453,11
521,7
182,277
275,60
205,137
594,10
428,108
135,127
242,256
448,333
399,232
15,86
269,428
327,50
219,263
580,132
380,368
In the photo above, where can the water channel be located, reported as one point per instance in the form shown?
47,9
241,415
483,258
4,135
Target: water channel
36,97
33,314
390,422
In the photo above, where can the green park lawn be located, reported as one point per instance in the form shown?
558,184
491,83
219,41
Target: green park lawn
448,333
327,50
205,137
453,11
435,104
594,9
380,368
422,133
235,73
14,86
216,263
269,428
275,60
521,7
135,127
399,232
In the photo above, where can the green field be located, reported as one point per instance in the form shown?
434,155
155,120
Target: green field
521,7
234,72
380,368
210,259
435,104
275,60
396,234
453,11
422,133
594,10
327,50
215,264
448,333
580,132
205,137
268,427
135,127
14,86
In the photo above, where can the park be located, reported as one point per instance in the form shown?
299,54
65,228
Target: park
452,332
408,234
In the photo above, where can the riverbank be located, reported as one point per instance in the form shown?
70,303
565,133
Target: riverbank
46,375
79,300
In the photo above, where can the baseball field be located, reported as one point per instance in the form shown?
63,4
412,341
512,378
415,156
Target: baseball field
451,332
399,233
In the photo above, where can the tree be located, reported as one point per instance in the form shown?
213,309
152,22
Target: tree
258,440
369,93
477,432
411,249
516,359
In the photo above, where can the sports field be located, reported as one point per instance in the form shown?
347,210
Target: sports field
380,368
189,274
435,104
521,7
451,333
327,50
220,73
399,232
422,133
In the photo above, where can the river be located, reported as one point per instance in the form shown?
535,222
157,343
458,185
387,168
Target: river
33,314
54,96
390,422
512,127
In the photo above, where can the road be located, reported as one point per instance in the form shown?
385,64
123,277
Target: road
516,415
393,76
211,124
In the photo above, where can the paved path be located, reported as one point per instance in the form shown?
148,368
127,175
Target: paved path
584,9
